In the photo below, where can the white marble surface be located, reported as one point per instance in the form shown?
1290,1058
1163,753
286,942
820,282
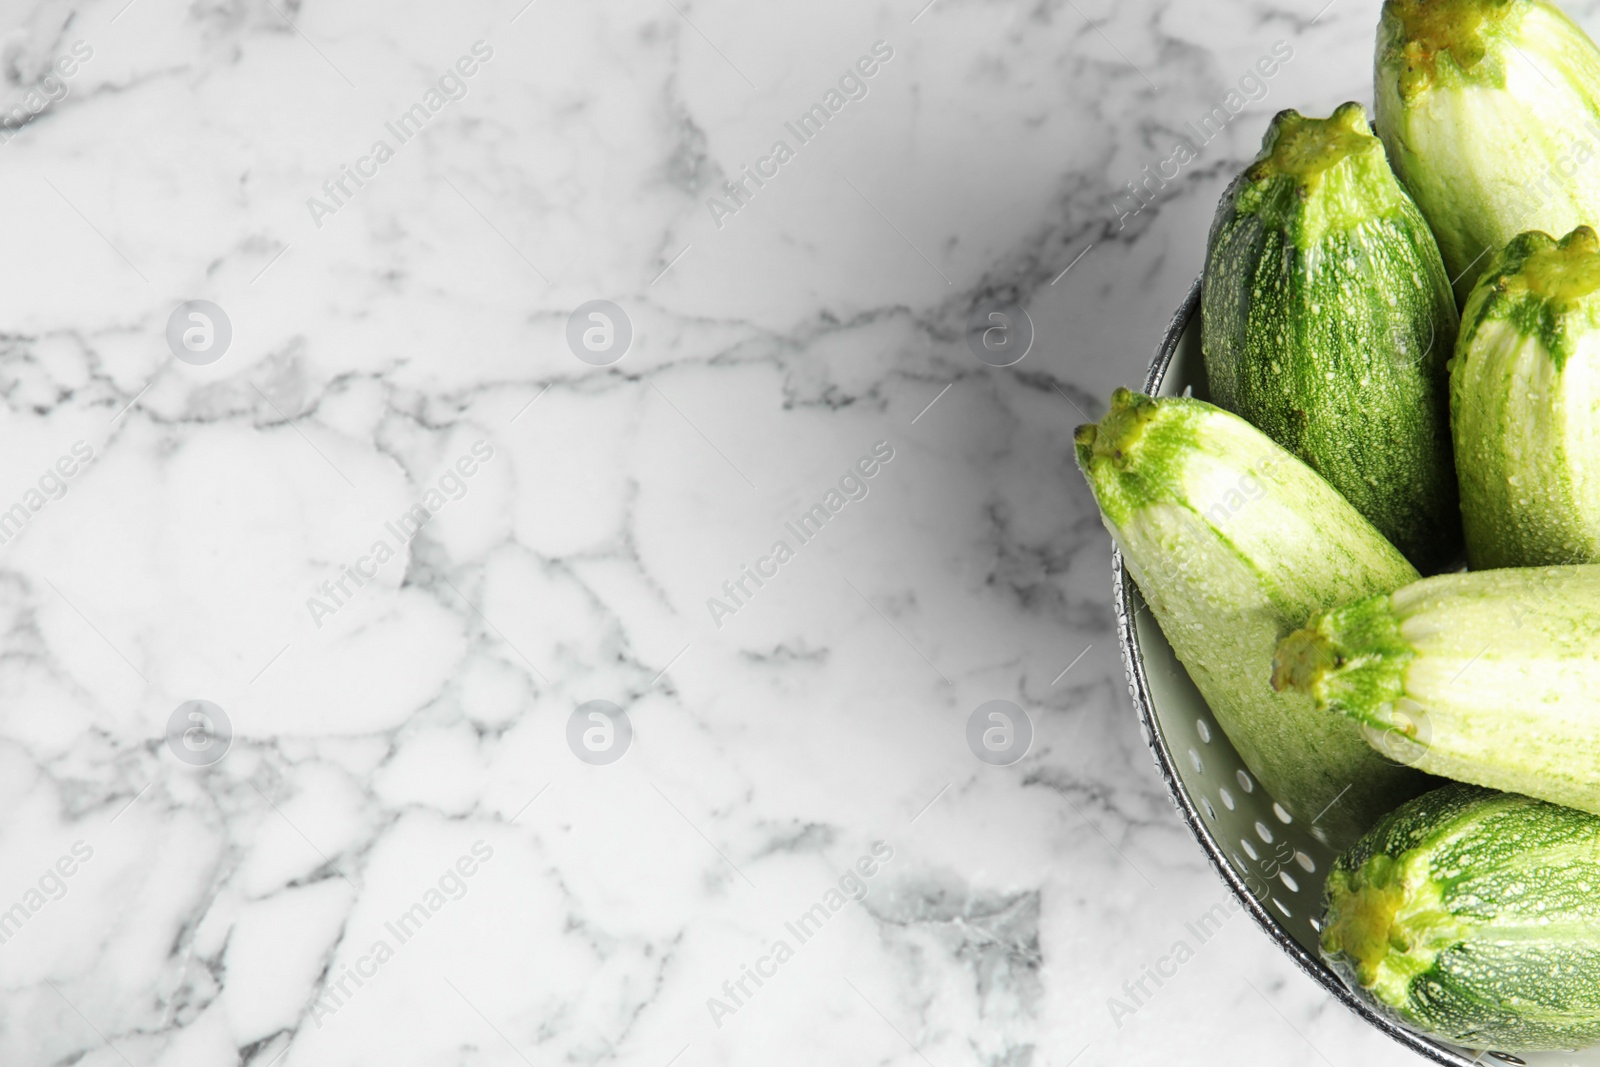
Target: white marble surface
214,914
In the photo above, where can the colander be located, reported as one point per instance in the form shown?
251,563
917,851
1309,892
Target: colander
1270,861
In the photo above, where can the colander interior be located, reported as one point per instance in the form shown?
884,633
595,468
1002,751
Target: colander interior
1274,861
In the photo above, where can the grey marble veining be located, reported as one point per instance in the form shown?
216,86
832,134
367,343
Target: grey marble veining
400,858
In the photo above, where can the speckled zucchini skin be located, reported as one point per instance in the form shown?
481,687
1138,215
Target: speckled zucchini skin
1490,677
1233,543
1525,404
1490,111
1474,917
1328,322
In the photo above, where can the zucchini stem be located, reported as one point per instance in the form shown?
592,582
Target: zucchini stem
1117,435
1362,905
1302,660
1351,660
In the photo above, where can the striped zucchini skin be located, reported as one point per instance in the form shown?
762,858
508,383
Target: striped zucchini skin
1524,395
1474,917
1490,677
1328,322
1233,543
1490,110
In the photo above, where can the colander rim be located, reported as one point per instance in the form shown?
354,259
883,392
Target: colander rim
1144,704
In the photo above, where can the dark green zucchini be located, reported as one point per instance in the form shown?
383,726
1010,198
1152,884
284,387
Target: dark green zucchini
1328,322
1474,917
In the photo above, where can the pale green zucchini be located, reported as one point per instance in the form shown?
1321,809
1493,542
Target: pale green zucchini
1328,321
1491,677
1233,543
1474,917
1490,110
1525,401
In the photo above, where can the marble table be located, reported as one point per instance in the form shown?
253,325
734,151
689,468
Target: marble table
503,534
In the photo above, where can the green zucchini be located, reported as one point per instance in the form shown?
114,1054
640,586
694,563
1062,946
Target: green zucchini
1525,389
1491,677
1473,917
1490,110
1328,322
1233,543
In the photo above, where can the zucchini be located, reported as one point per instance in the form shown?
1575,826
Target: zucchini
1491,677
1489,111
1328,322
1474,917
1233,543
1524,388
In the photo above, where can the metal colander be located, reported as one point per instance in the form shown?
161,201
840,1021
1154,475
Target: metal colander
1271,862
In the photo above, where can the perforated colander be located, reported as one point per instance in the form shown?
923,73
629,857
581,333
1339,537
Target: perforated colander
1273,863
